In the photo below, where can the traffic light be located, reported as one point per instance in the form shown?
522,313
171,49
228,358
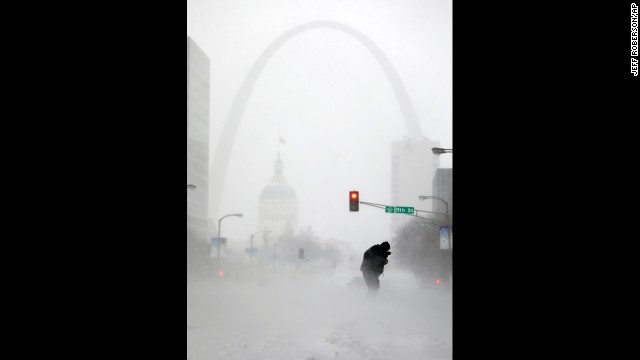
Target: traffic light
354,201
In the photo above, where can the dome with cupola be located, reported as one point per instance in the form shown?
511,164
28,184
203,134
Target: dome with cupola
278,206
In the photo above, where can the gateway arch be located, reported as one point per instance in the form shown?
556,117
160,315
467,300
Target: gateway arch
220,162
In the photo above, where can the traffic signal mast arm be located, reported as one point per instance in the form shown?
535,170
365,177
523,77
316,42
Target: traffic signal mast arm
380,206
374,205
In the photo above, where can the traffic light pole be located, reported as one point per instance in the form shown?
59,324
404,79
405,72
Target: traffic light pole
383,207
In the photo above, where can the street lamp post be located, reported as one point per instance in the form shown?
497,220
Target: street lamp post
219,225
446,210
252,235
438,151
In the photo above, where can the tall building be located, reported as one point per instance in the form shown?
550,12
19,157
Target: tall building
197,139
278,206
443,188
413,166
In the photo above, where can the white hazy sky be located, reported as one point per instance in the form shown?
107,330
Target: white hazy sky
328,97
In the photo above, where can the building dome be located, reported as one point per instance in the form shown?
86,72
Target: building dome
278,192
278,207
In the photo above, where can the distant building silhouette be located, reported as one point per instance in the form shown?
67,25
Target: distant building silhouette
443,188
278,206
197,139
413,166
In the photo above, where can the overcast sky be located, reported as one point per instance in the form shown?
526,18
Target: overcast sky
327,96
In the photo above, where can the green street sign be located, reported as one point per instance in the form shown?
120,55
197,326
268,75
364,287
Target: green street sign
400,210
404,210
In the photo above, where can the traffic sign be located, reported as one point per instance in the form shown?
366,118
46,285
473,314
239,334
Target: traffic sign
400,210
404,210
444,237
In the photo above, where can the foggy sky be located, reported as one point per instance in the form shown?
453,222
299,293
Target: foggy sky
327,96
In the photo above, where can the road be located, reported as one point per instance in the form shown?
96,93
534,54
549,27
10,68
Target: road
299,315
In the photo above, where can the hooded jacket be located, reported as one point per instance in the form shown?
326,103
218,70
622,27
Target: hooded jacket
375,258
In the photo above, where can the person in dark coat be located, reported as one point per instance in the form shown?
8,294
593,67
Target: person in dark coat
373,262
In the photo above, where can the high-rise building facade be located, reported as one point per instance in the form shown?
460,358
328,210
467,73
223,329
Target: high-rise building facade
413,166
443,188
197,139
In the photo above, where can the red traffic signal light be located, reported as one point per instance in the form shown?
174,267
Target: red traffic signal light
354,201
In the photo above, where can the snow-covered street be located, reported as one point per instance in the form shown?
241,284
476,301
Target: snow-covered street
303,316
319,149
